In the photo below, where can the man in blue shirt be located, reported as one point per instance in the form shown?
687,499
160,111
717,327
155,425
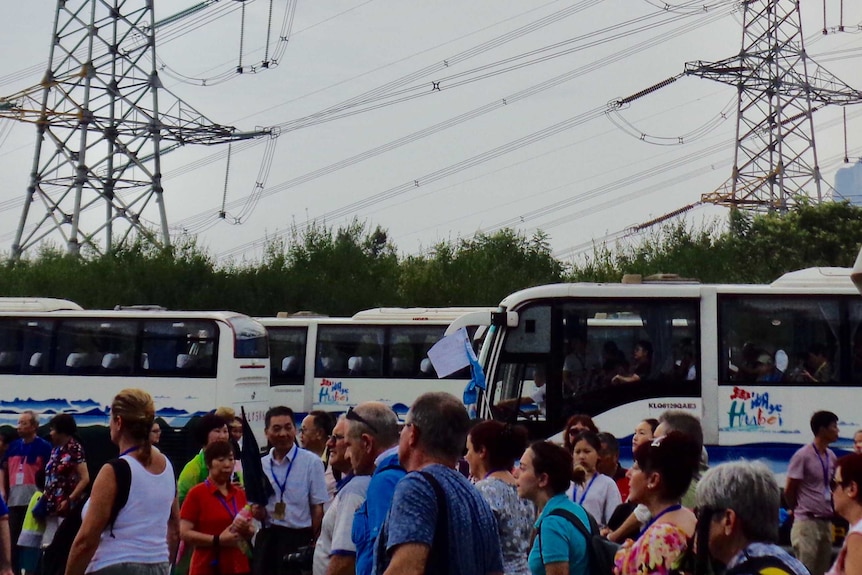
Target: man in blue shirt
372,446
438,522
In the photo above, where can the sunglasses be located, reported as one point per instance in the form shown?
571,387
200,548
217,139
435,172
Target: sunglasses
834,484
353,416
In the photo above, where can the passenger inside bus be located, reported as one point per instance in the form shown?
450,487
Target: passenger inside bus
532,405
819,369
642,364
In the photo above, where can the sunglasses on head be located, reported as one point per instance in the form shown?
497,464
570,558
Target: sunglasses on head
353,416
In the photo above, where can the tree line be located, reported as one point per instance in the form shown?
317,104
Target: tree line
338,271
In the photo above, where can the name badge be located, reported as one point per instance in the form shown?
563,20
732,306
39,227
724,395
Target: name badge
827,495
279,511
19,478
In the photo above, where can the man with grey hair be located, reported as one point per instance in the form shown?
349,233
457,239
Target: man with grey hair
438,522
737,506
24,458
371,443
335,552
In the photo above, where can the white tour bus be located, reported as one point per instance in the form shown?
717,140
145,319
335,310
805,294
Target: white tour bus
752,361
76,361
376,355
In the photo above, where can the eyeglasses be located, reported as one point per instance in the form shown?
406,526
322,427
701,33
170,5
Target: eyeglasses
575,431
336,437
835,484
353,416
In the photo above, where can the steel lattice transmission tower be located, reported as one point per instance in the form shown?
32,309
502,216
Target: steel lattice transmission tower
103,121
780,87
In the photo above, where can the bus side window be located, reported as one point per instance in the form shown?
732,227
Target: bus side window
771,340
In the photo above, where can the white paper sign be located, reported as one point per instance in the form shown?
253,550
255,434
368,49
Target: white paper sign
450,353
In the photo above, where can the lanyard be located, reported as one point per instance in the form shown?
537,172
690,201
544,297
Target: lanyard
26,450
493,471
654,519
223,502
282,486
131,449
587,490
824,465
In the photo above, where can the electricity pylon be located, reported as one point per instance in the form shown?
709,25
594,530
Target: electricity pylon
103,120
779,89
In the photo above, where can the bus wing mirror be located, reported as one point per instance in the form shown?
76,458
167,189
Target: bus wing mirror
469,320
504,318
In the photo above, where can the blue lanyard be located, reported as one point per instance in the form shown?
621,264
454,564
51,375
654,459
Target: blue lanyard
824,465
584,494
283,486
654,519
223,502
131,449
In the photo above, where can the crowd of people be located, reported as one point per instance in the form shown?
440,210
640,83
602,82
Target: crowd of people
364,494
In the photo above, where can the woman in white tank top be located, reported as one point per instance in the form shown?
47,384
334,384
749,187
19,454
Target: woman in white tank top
144,535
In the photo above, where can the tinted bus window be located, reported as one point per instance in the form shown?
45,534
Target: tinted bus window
95,346
408,351
287,355
185,348
780,340
249,338
349,351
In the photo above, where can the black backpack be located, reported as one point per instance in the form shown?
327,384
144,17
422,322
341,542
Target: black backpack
756,565
600,551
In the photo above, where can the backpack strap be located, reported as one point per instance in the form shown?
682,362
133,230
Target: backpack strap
571,518
123,473
440,544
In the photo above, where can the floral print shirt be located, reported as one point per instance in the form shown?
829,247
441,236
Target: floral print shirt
657,551
515,517
61,473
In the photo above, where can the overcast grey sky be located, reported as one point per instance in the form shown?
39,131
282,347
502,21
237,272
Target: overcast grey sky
590,176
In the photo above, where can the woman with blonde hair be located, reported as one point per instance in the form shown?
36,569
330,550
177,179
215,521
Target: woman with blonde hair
144,534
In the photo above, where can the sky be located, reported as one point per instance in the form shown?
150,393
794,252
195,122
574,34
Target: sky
546,159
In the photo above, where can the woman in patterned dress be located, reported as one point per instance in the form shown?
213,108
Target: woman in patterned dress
66,475
660,476
492,448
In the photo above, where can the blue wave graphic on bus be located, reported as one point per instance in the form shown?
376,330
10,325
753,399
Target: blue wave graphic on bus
85,411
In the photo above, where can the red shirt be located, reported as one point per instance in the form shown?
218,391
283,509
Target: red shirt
621,478
210,513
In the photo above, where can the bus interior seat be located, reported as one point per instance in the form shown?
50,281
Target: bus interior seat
290,365
114,361
36,360
145,360
426,367
400,366
327,363
185,361
355,364
80,359
9,358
